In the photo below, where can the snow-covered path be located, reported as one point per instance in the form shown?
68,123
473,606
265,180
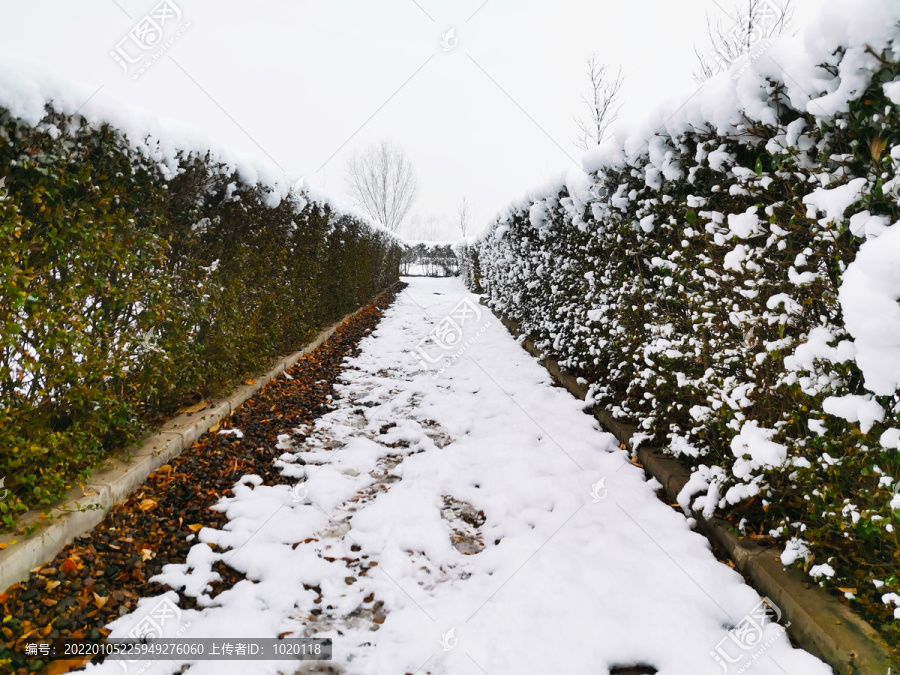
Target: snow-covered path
467,519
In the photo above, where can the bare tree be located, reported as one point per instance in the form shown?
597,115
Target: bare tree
465,216
431,228
424,228
753,22
383,183
601,101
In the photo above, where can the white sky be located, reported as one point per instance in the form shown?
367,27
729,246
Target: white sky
308,81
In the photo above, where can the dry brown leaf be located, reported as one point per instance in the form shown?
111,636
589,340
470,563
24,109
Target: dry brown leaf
876,147
197,407
100,601
146,554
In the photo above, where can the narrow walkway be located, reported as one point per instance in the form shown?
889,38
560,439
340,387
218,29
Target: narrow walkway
468,518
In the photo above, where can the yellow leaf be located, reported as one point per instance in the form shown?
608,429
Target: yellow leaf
249,381
146,554
100,601
876,147
147,504
195,528
51,585
214,428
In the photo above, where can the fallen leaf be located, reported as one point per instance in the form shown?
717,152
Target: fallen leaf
147,504
69,566
146,554
100,601
195,528
249,381
51,585
197,407
847,590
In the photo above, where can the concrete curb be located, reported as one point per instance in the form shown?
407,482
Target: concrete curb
819,622
83,509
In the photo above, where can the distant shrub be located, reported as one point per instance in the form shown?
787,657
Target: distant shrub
429,259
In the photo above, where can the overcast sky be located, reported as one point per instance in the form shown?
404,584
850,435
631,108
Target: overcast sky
487,114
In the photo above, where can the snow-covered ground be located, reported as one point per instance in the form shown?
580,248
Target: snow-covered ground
511,535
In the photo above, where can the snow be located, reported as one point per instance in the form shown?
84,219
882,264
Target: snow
756,442
890,439
744,224
795,549
823,570
834,202
855,408
576,543
892,91
868,297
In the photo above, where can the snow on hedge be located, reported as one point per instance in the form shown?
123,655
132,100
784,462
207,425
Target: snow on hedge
726,273
26,88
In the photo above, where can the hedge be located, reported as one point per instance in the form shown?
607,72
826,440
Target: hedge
697,287
129,289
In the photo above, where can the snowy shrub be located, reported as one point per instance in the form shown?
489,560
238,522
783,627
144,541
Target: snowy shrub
131,287
726,278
